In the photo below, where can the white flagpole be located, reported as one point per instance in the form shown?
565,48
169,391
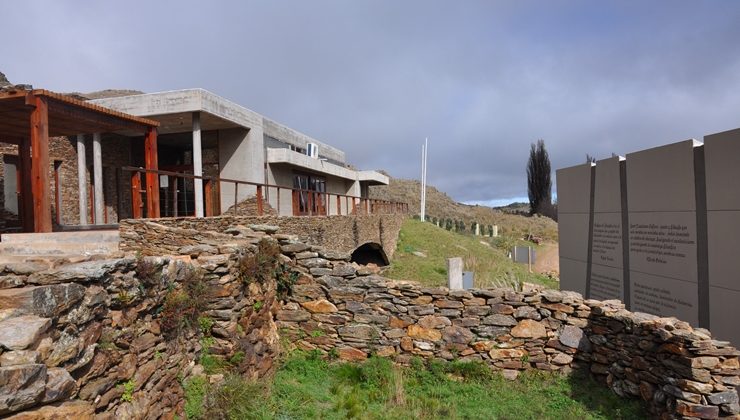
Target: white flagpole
421,198
424,181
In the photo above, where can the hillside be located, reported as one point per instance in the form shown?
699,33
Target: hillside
440,205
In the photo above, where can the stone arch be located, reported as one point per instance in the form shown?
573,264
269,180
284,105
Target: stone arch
370,252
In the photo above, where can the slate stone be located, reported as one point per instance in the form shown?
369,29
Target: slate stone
21,332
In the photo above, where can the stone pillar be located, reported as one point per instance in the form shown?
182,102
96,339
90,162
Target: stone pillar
82,177
495,231
197,165
455,273
98,176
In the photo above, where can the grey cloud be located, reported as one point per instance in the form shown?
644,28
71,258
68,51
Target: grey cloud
481,79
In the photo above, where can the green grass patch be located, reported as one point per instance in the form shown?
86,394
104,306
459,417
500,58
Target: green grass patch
308,387
486,257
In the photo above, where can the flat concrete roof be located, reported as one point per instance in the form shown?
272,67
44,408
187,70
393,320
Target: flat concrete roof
174,109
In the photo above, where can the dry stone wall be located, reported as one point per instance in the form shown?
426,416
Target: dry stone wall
340,233
112,338
93,337
352,313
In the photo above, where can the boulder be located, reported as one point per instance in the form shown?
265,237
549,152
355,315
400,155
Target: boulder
44,301
19,357
21,332
351,354
528,328
78,410
21,387
83,272
59,385
321,306
416,331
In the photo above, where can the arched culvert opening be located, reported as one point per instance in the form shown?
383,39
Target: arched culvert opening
370,253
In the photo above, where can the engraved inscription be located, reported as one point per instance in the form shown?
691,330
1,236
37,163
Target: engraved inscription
659,244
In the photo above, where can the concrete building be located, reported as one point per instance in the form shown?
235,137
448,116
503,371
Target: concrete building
204,134
208,156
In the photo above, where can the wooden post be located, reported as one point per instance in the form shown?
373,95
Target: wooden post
259,200
25,181
40,164
136,195
152,178
208,192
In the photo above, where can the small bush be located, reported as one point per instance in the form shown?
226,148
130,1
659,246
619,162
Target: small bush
261,265
147,271
183,305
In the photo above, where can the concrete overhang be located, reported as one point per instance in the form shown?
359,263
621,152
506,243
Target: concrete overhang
174,109
288,135
372,178
299,160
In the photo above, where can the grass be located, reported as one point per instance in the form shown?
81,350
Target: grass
489,261
307,387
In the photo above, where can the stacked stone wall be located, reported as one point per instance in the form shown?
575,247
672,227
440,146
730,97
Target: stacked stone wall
340,233
88,337
91,338
351,313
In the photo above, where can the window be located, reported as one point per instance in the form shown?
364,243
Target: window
310,199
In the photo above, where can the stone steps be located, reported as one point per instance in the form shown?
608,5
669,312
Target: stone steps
21,246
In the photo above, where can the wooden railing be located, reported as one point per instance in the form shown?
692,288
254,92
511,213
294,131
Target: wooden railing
303,202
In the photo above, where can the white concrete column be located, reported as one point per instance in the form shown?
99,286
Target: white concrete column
197,165
98,174
82,177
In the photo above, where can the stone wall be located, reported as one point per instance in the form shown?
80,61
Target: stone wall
340,233
94,337
351,313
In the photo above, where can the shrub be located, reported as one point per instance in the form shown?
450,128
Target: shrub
183,304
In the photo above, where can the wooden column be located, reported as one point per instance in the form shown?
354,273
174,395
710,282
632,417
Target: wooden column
152,178
25,204
40,164
136,195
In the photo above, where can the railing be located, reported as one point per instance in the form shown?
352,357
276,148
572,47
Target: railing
303,202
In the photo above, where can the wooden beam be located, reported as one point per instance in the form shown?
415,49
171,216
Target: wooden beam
152,179
40,165
26,197
136,195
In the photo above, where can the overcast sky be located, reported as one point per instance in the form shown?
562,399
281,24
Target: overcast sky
483,80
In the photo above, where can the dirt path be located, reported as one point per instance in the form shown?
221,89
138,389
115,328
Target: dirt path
548,259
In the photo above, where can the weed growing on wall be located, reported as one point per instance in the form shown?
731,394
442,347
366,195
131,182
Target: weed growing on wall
264,265
184,303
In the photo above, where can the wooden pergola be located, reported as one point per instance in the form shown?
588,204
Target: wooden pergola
29,117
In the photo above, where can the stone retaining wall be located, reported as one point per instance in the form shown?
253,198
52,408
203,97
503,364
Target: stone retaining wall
351,313
87,338
340,233
91,338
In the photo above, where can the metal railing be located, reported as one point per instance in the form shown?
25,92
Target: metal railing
303,202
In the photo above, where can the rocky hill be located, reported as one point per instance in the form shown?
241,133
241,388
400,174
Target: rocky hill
107,93
440,205
4,80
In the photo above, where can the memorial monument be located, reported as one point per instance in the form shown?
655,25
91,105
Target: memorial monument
659,230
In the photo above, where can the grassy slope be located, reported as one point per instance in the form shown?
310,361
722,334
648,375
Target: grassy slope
440,205
307,387
490,263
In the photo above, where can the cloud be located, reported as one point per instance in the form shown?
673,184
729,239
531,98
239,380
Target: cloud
482,80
